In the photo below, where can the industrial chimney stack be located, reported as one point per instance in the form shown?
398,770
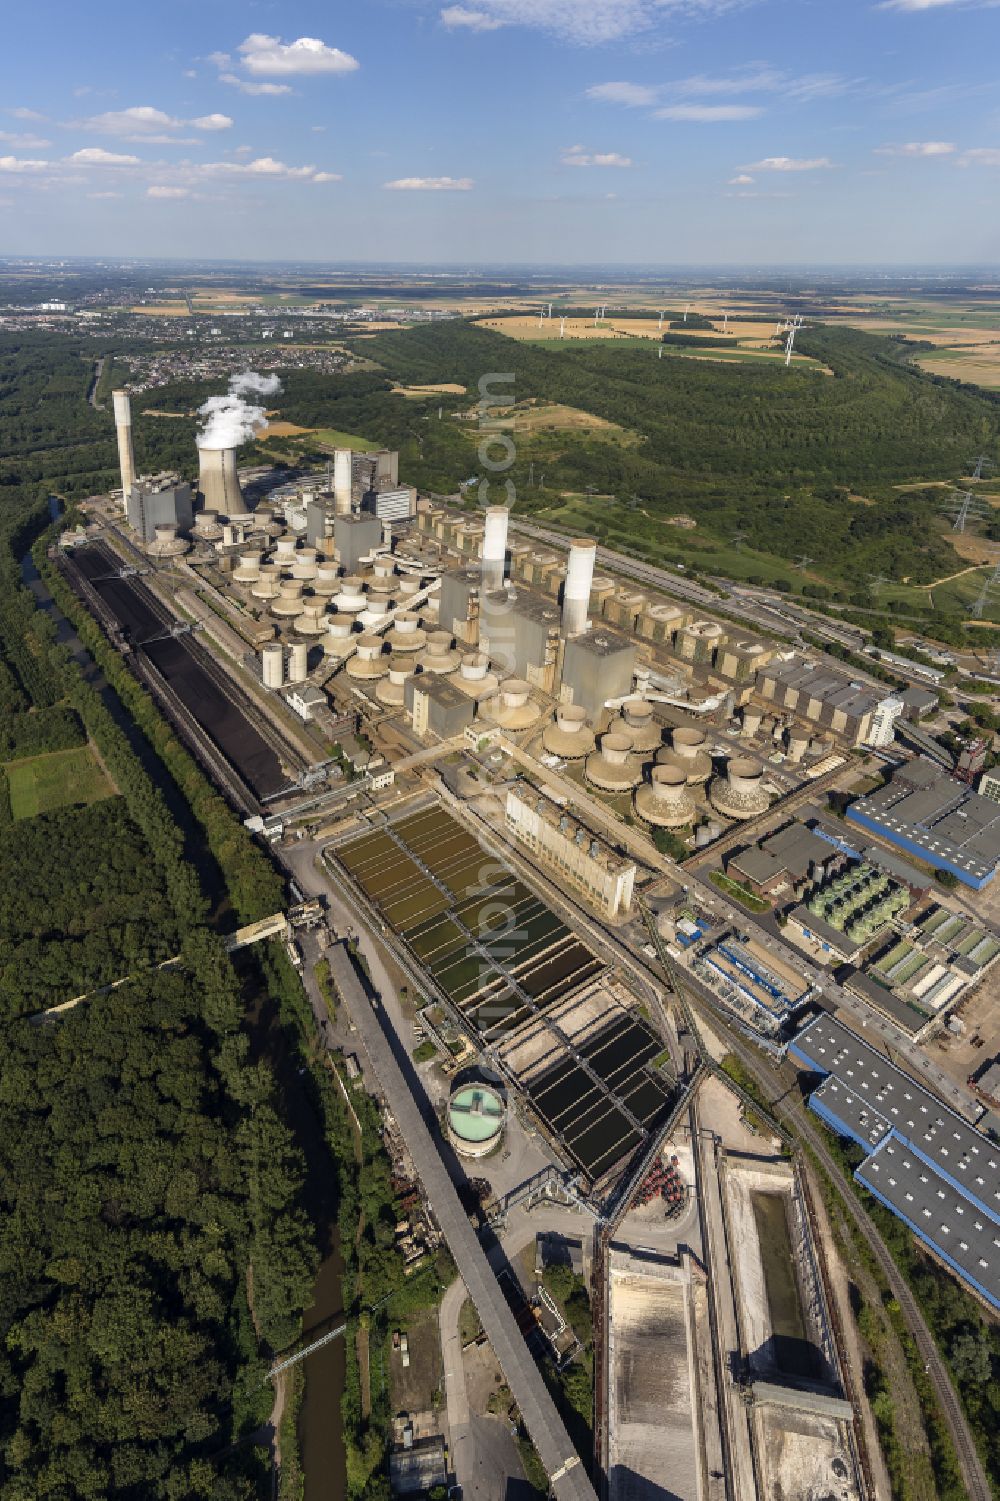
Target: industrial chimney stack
343,481
123,428
495,547
218,481
576,590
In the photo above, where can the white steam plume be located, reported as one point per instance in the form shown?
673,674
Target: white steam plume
231,420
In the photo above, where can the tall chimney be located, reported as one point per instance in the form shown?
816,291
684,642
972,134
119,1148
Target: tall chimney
343,481
576,590
218,482
123,428
495,547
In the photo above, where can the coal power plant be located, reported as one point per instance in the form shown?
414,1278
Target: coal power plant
218,481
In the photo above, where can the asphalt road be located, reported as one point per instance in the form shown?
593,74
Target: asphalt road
567,1477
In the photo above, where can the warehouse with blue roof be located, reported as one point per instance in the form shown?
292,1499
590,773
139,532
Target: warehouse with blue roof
926,1164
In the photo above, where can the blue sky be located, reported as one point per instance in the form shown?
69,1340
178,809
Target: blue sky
563,131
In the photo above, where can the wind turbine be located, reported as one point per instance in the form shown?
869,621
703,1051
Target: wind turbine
562,328
660,354
550,310
660,324
725,323
687,309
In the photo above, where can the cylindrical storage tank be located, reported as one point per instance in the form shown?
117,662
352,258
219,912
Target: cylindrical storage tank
702,836
383,569
613,768
166,543
475,1120
248,569
407,587
352,595
285,549
664,801
576,590
751,720
272,665
495,546
570,737
515,693
740,793
369,660
298,662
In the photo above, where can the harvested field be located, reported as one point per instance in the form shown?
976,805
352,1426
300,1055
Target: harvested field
58,779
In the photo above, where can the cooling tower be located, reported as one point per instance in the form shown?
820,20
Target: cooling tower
218,482
665,801
123,428
614,768
740,794
495,547
576,590
569,737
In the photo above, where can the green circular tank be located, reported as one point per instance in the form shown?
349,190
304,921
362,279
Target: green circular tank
476,1114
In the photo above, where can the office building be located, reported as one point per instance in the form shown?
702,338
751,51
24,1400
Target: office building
397,504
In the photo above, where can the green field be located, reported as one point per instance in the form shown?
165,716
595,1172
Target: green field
60,779
334,439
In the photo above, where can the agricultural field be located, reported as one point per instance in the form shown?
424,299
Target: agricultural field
58,779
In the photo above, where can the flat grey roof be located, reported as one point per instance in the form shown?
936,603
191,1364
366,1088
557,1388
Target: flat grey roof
877,995
858,1118
601,642
925,805
954,1226
947,1142
823,930
797,847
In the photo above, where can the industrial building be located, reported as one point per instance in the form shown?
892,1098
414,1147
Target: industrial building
757,985
396,504
927,1165
519,630
154,503
437,706
598,667
815,692
928,813
585,861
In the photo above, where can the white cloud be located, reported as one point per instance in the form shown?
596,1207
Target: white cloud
585,22
160,190
264,167
20,165
917,148
789,164
431,185
211,122
741,180
328,177
142,122
633,94
981,156
104,195
915,4
269,55
577,157
96,156
24,142
708,114
458,16
246,87
20,113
